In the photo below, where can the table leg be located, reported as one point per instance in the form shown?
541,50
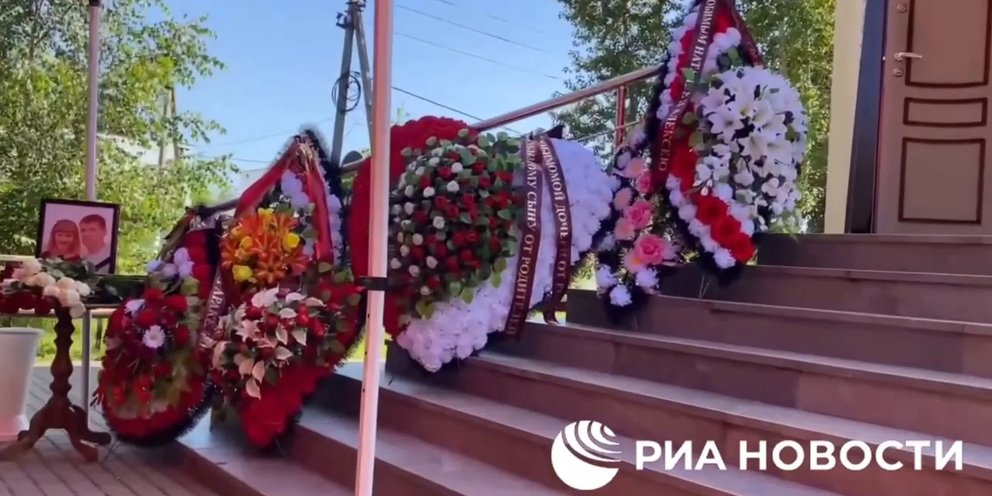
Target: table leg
59,412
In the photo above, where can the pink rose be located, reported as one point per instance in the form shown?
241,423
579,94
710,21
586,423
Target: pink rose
639,214
650,249
624,231
622,199
636,167
643,184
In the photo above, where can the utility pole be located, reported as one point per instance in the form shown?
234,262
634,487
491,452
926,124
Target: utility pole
354,34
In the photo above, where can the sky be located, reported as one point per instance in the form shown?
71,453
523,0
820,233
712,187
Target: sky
282,58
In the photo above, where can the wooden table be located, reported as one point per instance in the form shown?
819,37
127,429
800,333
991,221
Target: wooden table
59,412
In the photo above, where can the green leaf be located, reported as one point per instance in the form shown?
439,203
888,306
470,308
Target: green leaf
689,74
324,267
336,347
695,139
454,288
500,265
468,295
690,118
424,308
505,214
465,218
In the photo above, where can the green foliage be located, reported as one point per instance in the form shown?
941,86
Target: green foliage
613,37
146,53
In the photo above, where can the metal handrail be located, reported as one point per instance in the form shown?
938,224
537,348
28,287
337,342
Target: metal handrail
509,117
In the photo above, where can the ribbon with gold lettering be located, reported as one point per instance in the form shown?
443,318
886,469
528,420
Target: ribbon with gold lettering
700,45
562,214
530,240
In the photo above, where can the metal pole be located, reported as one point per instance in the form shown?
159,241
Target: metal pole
621,117
91,167
363,64
383,36
341,110
94,99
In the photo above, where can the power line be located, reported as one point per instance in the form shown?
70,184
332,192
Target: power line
476,56
474,30
491,16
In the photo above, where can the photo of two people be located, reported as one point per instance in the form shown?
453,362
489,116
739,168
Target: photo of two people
79,231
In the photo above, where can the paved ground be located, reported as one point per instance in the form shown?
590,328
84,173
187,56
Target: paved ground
53,468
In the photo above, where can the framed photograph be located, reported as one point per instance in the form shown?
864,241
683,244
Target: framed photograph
79,230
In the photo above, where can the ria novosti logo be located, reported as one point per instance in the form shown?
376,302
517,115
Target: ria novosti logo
583,460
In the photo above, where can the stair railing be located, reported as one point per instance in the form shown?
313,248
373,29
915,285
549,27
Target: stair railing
618,83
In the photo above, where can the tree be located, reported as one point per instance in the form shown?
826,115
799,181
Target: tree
146,52
613,37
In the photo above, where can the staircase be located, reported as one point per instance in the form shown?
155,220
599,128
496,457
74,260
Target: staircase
830,337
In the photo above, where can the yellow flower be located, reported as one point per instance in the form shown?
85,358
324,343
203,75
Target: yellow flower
246,243
265,213
242,273
290,240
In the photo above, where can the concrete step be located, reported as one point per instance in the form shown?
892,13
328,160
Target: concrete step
903,253
221,461
518,441
949,405
908,294
661,412
404,465
947,346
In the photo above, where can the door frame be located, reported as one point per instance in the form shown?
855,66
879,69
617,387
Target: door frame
867,119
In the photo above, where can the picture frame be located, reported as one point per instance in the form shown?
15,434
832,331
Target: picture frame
79,230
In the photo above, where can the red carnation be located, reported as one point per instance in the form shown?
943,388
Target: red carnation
154,294
467,255
162,369
302,319
441,203
478,167
445,173
420,217
417,253
146,318
710,209
253,313
472,237
495,244
742,248
176,302
425,182
458,238
468,199
484,182
452,263
434,282
725,231
168,319
440,249
180,337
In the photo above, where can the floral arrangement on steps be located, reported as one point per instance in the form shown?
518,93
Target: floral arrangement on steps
153,384
715,168
293,311
484,230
